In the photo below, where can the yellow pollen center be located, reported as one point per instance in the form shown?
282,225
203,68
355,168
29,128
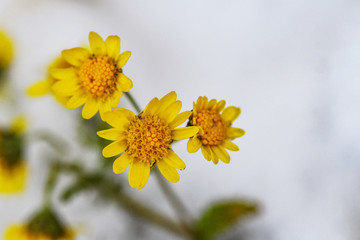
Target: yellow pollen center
148,138
98,76
213,125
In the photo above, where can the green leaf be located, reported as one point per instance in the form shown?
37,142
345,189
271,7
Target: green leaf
220,216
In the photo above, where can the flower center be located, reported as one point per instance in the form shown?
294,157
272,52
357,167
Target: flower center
98,76
213,125
149,139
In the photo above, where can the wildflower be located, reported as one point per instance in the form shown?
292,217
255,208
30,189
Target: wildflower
44,225
13,169
44,87
6,51
146,139
95,78
216,131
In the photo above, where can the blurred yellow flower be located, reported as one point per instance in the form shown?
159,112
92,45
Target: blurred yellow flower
216,131
13,169
44,87
6,51
95,78
146,139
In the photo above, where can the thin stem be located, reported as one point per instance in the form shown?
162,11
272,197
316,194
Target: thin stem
133,101
50,185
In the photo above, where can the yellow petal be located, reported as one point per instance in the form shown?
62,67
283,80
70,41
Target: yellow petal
90,108
230,145
13,181
184,133
113,46
193,144
112,134
171,111
64,73
179,119
76,101
39,89
121,163
65,87
206,151
152,107
220,105
119,118
18,124
139,173
174,160
115,99
75,56
124,57
211,104
125,84
234,132
230,114
114,148
169,172
104,107
166,100
97,44
221,153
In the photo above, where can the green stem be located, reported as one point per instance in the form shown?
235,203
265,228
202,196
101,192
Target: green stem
133,101
50,185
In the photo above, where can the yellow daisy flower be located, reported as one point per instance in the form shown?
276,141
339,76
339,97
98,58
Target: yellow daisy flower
45,225
44,87
146,139
216,131
6,51
95,78
13,169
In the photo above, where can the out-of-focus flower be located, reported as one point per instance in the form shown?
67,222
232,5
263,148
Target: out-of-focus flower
216,131
95,78
146,139
44,87
13,169
6,51
45,225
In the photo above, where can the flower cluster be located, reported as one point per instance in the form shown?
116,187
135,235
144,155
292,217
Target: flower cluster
94,78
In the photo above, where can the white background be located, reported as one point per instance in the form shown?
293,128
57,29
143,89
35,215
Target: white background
292,67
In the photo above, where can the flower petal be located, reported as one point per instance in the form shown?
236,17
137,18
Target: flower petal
206,151
64,73
184,133
75,56
39,89
119,118
104,107
220,105
174,160
76,101
152,107
230,113
193,144
112,134
65,87
230,145
124,57
114,148
125,83
171,111
90,108
113,46
234,132
139,174
121,163
179,119
166,100
169,172
97,44
212,104
221,153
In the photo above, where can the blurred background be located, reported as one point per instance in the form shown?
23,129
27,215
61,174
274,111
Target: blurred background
292,67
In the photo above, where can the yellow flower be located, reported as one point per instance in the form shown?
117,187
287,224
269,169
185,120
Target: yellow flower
6,51
216,131
44,87
13,169
95,78
146,139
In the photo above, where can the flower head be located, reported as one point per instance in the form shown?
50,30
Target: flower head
95,78
6,51
216,131
44,225
146,139
12,165
44,87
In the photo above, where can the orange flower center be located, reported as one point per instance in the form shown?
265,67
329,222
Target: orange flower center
149,139
98,76
213,126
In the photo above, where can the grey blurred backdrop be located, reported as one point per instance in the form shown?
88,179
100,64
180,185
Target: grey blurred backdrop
292,67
